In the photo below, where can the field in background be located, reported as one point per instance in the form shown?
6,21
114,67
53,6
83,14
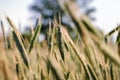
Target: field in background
89,55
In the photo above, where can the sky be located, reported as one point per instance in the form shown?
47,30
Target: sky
107,14
17,10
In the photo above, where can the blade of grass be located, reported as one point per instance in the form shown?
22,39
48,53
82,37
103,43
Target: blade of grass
3,31
112,31
118,42
19,44
60,44
55,71
107,51
37,31
71,44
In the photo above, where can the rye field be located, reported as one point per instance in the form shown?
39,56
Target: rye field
89,55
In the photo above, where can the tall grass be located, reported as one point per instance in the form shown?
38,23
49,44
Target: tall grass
60,57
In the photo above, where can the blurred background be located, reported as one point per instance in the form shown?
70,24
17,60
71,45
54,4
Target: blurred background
104,14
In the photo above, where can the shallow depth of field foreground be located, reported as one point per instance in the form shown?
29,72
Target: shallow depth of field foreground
86,55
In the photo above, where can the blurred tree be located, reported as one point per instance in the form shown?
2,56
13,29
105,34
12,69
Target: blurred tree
87,9
48,9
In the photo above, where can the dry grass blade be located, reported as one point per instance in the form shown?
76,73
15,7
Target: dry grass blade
90,27
49,35
60,44
71,44
42,76
18,41
118,38
92,72
52,37
76,17
21,50
118,43
67,76
37,31
3,31
8,74
111,72
112,55
89,50
55,69
112,31
31,28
